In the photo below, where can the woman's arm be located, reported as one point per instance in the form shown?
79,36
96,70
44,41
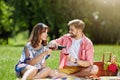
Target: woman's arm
37,58
44,64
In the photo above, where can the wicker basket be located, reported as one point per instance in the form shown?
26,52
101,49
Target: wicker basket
100,65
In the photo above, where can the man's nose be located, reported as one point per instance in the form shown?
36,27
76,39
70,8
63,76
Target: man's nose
69,31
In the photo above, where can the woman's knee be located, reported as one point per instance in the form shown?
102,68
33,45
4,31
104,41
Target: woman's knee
48,69
31,72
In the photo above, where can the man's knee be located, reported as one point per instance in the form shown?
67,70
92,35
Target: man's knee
94,69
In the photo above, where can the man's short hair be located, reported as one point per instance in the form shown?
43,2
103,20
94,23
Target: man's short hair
77,23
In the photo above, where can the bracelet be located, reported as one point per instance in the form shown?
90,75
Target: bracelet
75,61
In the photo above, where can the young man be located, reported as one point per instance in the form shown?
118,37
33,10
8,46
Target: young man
79,61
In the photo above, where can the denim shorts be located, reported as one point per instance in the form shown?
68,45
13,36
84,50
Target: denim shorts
18,68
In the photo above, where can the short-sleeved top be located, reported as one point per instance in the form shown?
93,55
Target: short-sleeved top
73,51
86,51
33,53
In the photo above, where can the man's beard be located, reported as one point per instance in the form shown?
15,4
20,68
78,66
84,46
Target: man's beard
73,35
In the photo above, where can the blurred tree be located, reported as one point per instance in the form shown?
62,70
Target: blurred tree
5,22
105,21
53,13
101,17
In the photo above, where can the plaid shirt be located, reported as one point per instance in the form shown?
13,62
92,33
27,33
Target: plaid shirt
86,51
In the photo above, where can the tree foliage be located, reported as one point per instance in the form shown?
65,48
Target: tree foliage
101,17
6,27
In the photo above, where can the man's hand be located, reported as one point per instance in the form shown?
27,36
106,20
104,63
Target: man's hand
53,45
71,59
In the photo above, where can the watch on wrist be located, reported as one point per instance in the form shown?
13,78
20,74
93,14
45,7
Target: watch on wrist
75,61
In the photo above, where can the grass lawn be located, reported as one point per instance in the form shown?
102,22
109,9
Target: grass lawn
9,56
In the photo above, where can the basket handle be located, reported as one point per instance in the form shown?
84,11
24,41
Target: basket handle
103,56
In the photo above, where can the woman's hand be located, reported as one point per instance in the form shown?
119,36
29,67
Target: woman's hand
49,51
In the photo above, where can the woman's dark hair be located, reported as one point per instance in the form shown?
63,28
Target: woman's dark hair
38,29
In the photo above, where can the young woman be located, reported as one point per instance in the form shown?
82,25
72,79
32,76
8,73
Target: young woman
32,62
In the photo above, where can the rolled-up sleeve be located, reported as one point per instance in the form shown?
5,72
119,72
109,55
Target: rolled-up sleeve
60,40
90,52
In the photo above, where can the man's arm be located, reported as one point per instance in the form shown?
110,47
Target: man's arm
80,62
55,43
89,53
83,63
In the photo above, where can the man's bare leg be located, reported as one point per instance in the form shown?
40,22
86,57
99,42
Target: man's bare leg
56,74
92,70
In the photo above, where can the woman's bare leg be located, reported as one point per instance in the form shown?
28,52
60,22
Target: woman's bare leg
43,73
29,72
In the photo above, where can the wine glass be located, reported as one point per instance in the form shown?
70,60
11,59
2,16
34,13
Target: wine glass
51,46
65,52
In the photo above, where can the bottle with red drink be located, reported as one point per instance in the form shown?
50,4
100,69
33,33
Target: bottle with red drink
53,47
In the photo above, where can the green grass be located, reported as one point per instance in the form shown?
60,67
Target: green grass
9,56
100,49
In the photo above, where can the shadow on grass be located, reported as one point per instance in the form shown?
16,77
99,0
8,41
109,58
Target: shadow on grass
16,45
19,45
